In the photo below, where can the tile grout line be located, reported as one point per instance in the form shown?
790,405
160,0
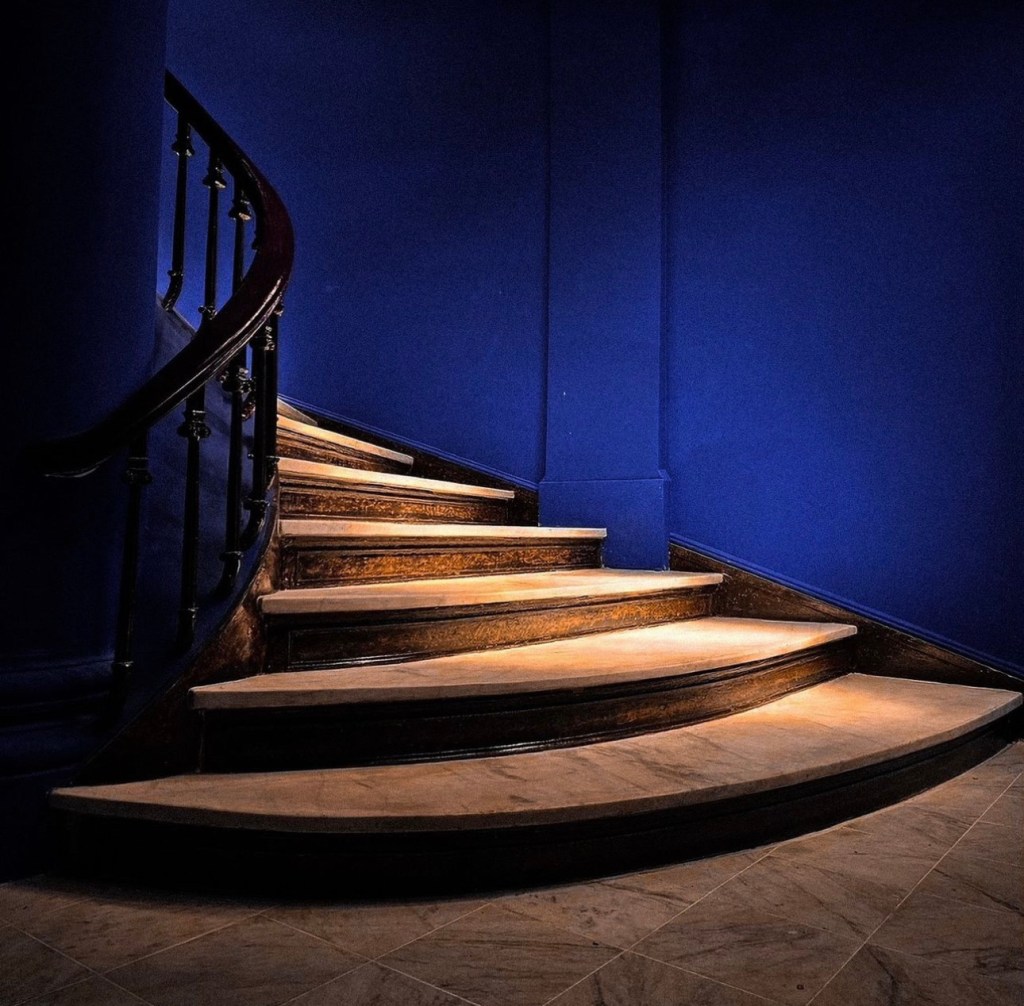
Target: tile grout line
708,978
904,899
705,895
631,948
436,929
580,981
179,943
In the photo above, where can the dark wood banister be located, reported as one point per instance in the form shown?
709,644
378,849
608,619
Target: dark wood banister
217,340
245,325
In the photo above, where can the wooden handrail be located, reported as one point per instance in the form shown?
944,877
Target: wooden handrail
244,327
218,339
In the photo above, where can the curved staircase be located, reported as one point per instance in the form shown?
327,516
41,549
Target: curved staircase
451,700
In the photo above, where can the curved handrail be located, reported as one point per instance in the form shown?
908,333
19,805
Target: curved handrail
218,339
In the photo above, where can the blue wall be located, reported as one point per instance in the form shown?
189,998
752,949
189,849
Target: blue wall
82,216
845,313
603,446
408,142
829,377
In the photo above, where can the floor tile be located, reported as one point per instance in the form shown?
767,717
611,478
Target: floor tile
604,912
95,991
753,950
105,932
1007,810
879,977
919,831
373,929
631,980
496,957
875,857
23,902
995,842
257,962
27,968
968,796
1011,756
982,942
374,985
980,882
682,884
817,893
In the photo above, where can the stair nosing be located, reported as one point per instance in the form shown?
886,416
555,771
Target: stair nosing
317,471
245,693
341,440
442,593
345,529
674,783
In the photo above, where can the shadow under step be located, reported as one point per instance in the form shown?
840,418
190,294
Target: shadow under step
323,552
312,627
805,761
303,440
314,489
571,691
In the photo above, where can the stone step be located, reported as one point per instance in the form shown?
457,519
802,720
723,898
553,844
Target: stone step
316,489
325,552
302,440
310,627
569,691
803,761
289,411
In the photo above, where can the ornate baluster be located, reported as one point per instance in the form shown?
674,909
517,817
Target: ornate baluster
182,147
137,476
237,384
272,358
256,503
194,427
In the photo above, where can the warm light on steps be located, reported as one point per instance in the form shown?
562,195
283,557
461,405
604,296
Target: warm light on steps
674,649
826,730
508,588
329,437
296,470
400,532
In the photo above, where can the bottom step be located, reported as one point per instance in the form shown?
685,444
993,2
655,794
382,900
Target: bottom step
807,760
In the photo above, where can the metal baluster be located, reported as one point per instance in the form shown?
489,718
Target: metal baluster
256,504
137,476
194,427
272,360
182,147
237,384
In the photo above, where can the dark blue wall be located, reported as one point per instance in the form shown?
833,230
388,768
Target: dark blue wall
407,140
84,128
603,446
838,259
845,313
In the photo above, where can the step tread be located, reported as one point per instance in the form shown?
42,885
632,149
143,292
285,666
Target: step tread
297,469
505,588
330,437
841,725
287,410
341,528
674,649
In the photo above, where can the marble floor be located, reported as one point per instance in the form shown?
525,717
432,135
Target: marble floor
919,904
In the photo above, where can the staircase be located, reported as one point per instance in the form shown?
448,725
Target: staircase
452,700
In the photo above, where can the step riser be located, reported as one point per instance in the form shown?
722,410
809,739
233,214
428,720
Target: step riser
245,740
326,565
375,865
292,445
374,504
331,641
